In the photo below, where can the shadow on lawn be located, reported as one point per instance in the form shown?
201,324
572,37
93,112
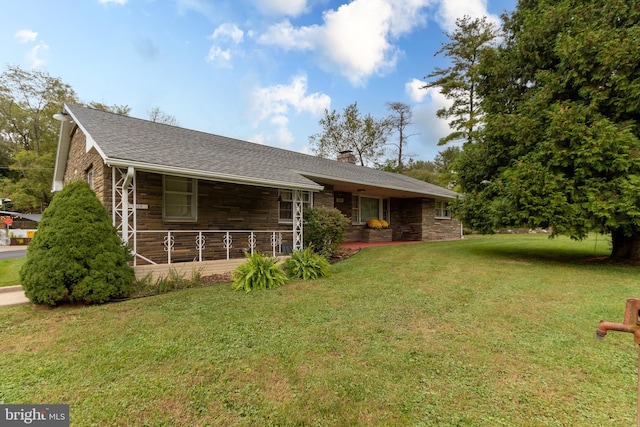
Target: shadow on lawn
521,253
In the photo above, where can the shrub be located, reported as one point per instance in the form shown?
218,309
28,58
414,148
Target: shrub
76,255
173,281
259,272
306,265
325,230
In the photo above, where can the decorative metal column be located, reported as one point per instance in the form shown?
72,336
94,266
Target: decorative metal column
298,234
124,206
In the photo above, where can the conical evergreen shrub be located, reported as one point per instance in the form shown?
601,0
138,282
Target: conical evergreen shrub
76,254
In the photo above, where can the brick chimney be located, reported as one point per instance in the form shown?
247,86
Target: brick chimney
347,156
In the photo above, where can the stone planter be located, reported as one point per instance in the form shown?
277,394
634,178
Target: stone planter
370,235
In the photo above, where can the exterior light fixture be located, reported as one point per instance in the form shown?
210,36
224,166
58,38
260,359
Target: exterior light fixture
61,116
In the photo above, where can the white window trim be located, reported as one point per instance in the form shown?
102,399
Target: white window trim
381,201
442,209
194,201
281,199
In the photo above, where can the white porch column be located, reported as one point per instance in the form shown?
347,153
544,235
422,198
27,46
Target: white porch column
298,237
124,205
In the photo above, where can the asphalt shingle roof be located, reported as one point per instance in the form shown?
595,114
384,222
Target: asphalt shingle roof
124,139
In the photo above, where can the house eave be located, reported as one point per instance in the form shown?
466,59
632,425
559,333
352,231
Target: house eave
190,173
364,184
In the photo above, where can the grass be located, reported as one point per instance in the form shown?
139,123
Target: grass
10,271
489,331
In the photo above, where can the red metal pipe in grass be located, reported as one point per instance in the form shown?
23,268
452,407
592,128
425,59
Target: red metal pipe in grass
630,324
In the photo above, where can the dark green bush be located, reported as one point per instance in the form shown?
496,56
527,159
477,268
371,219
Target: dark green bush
259,272
324,230
306,265
76,254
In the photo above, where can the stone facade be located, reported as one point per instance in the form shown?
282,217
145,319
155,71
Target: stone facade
80,162
239,208
438,228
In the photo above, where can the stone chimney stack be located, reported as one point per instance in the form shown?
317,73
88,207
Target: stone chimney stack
347,156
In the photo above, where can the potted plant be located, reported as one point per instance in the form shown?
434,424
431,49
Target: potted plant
377,230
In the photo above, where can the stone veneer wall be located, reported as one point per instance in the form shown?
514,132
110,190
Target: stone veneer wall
438,229
406,219
221,206
79,162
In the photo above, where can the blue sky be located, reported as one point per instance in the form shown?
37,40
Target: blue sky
257,70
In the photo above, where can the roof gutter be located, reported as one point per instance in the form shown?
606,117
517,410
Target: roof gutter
368,184
190,173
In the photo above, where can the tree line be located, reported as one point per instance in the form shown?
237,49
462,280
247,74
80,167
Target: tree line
29,134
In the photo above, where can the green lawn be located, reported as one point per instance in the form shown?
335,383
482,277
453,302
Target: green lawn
10,271
488,331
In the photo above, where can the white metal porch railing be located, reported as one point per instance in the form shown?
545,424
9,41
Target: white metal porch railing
201,245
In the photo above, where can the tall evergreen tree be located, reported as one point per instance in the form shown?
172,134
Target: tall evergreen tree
459,82
561,145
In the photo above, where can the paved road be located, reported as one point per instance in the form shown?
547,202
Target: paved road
14,253
12,295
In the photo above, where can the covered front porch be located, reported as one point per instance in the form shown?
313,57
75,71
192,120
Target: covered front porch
224,266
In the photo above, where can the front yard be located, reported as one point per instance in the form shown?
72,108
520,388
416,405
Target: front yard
487,331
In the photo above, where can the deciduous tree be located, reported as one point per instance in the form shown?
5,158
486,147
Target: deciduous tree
399,120
364,135
157,115
29,134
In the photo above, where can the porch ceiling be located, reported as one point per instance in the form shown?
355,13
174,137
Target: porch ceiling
369,190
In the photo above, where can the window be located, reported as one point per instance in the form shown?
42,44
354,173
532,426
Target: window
180,199
89,177
443,211
285,204
365,208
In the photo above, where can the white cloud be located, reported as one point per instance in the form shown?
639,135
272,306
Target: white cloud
203,7
414,89
279,100
272,106
119,2
33,56
26,36
282,7
228,31
287,37
284,135
450,10
258,139
219,57
357,39
429,126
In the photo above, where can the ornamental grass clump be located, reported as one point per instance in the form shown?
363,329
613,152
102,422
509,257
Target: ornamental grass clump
306,265
259,272
76,255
